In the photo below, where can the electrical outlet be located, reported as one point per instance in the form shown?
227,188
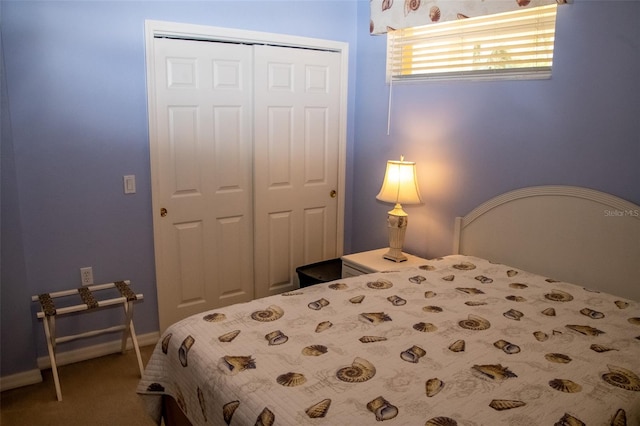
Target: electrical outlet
86,275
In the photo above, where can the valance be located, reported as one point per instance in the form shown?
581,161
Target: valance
388,15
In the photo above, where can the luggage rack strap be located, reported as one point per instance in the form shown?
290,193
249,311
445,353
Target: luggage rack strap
48,307
125,291
87,298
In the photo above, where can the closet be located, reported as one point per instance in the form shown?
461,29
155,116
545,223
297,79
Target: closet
246,165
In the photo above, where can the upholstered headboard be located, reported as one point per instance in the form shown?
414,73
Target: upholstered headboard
567,233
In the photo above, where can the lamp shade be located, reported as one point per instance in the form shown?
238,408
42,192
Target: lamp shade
400,184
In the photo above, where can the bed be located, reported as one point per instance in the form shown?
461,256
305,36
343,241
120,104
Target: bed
473,338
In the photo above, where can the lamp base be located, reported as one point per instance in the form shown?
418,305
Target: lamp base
395,255
397,221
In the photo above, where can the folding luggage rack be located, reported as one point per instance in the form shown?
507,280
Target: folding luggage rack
48,313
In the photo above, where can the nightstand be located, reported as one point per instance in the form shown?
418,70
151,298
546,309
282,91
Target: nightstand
367,262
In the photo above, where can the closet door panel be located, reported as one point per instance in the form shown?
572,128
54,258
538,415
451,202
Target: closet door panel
279,148
183,143
189,243
315,229
316,144
296,118
278,254
230,246
202,176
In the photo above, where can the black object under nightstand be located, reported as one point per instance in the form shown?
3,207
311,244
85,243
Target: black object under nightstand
320,272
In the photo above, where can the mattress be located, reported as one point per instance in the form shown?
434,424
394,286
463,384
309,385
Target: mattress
458,340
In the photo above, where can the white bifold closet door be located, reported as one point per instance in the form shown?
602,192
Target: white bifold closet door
244,169
296,116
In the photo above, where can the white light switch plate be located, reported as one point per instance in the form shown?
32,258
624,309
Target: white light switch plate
130,184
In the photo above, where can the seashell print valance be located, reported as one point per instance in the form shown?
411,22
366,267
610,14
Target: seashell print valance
389,15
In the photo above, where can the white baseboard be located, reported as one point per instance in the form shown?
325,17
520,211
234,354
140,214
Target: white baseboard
63,358
25,378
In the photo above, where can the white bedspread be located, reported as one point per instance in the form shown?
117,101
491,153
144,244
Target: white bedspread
457,341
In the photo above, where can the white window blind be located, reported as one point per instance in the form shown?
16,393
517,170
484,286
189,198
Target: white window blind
508,45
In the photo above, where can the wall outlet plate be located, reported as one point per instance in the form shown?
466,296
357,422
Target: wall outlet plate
86,275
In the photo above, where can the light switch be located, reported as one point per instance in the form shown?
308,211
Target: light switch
130,184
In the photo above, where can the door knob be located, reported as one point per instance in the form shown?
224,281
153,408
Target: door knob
163,212
333,193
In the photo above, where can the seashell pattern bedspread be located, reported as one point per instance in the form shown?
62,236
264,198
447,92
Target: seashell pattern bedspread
458,341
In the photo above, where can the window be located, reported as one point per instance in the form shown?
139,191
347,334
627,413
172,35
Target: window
514,45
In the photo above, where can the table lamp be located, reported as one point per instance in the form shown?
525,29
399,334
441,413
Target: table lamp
400,186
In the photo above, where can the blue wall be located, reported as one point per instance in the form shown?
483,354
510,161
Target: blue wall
75,73
77,122
475,140
16,337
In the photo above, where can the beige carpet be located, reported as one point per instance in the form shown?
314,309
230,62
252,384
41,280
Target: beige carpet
97,392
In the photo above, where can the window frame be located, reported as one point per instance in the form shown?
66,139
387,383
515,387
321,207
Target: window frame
543,18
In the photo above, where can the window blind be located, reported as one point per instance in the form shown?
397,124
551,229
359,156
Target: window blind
511,45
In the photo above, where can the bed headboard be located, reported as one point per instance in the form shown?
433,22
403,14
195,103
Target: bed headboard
568,233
